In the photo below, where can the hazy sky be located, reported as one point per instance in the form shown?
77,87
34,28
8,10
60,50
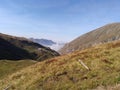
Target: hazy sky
61,20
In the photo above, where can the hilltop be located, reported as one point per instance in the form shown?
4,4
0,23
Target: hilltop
17,48
67,73
107,33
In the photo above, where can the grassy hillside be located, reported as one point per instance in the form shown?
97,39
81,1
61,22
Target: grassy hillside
103,34
8,67
16,48
66,73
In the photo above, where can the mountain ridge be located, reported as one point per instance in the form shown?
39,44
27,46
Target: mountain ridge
16,48
44,42
107,33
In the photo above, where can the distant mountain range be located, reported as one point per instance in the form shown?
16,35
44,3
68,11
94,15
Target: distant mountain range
107,33
16,48
49,43
44,42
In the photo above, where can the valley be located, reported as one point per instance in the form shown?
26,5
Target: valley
49,43
59,45
27,65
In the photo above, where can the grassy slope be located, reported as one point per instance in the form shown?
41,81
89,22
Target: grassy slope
66,73
8,67
107,33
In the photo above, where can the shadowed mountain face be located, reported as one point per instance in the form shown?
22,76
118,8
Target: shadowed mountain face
10,51
103,34
16,48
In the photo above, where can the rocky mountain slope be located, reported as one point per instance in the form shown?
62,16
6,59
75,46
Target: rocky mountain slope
16,48
68,73
103,34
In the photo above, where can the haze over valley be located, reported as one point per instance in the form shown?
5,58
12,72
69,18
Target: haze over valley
49,43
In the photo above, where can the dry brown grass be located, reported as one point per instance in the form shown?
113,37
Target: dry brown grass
66,73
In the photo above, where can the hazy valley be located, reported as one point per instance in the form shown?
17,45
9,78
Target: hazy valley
49,43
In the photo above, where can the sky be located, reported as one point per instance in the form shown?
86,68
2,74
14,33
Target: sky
59,20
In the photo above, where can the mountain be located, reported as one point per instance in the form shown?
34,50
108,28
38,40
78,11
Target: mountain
68,73
16,48
44,42
107,33
49,43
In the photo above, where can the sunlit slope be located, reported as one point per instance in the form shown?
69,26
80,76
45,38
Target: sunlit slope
107,33
67,73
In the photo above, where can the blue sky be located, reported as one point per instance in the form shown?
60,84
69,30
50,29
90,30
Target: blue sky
60,20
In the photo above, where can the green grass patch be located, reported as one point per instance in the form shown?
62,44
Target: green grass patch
8,67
